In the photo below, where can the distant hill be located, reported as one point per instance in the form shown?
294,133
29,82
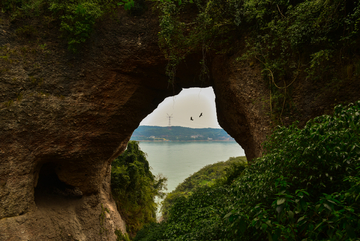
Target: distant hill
178,133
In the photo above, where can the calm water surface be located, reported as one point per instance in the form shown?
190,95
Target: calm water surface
178,160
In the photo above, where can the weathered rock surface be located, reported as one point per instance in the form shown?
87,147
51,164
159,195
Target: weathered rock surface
64,117
240,90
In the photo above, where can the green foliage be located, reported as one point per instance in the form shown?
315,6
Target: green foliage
102,217
306,187
197,217
182,35
121,237
151,231
221,172
26,31
197,205
77,17
23,8
234,171
134,187
299,189
128,4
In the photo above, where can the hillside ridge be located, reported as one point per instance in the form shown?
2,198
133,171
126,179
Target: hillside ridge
179,133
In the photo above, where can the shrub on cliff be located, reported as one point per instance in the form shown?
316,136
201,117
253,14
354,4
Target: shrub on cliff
305,188
77,17
220,172
134,187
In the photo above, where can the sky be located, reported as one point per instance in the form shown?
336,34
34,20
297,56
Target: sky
188,103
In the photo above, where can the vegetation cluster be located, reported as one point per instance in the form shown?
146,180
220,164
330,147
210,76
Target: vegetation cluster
292,40
206,176
306,187
76,17
178,133
134,188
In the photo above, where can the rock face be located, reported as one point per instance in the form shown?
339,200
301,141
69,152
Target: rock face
239,91
64,117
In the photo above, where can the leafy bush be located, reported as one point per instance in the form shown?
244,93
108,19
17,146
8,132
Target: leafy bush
77,17
306,187
278,28
121,237
224,172
197,217
21,8
134,187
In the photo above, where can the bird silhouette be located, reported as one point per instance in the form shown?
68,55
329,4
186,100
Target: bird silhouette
200,115
191,118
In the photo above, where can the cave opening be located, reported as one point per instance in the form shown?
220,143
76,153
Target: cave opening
50,188
182,135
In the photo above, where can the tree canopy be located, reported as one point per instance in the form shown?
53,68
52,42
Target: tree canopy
224,172
134,187
305,188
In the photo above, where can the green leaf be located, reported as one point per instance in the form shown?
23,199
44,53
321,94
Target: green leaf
301,219
291,214
264,226
280,201
327,206
242,225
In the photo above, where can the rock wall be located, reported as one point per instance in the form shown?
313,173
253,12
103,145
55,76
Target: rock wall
64,117
240,91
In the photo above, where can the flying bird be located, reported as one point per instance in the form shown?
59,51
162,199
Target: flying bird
200,115
191,118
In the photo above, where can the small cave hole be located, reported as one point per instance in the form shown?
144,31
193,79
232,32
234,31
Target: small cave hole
50,186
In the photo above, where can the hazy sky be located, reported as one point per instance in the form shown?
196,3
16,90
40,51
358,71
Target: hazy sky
189,103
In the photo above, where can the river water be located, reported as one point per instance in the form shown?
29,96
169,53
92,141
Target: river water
178,160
